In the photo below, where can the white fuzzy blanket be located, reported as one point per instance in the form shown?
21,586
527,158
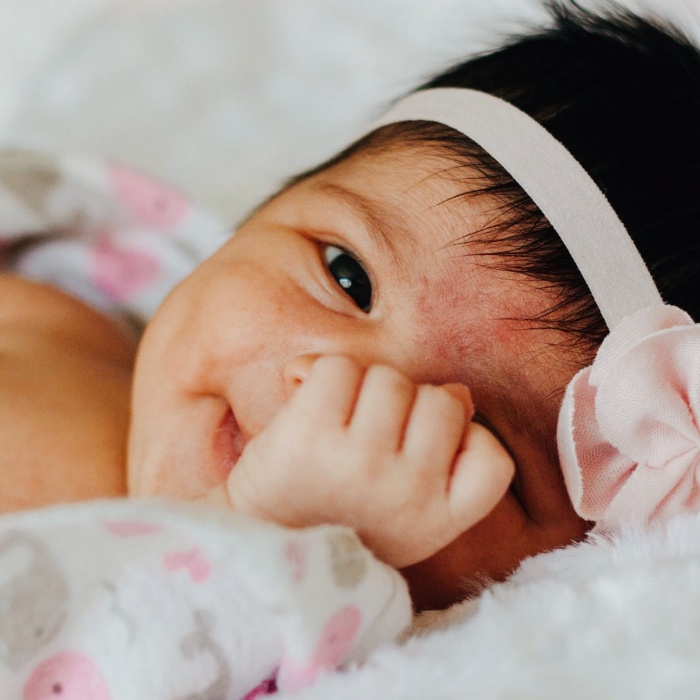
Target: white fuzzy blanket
608,618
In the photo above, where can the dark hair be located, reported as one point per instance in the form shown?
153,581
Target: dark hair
622,93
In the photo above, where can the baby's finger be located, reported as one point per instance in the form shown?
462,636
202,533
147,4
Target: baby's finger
435,428
382,407
461,392
482,474
328,395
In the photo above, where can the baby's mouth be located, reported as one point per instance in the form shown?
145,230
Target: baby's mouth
228,444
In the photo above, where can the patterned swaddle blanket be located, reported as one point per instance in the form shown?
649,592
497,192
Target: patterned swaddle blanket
127,599
111,236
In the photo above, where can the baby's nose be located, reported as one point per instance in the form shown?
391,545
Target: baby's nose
297,370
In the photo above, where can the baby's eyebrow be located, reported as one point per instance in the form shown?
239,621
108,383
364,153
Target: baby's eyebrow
379,219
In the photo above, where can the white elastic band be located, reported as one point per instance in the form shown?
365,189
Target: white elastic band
555,181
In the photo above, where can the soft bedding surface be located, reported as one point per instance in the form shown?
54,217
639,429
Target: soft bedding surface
611,618
127,600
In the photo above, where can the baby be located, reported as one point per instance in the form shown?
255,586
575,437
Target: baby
386,342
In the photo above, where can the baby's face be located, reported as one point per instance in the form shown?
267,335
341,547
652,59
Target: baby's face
229,346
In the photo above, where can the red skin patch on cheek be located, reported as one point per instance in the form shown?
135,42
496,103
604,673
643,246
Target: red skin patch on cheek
466,323
445,320
448,344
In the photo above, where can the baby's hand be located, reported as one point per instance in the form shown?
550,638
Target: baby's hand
402,464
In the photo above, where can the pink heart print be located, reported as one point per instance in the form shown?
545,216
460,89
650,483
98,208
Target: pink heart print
150,202
336,639
192,561
121,273
68,675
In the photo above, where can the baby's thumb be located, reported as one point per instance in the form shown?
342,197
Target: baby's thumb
483,471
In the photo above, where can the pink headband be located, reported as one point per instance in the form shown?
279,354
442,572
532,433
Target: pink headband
565,193
628,434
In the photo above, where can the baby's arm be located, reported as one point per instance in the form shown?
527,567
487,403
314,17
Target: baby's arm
65,372
402,464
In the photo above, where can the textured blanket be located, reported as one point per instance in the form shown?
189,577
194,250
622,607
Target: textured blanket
609,618
123,600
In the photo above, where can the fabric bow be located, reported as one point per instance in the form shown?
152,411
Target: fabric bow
628,434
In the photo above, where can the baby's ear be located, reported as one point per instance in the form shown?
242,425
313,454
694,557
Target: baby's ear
461,392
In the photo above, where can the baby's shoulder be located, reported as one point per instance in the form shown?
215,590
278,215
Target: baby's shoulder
32,312
65,376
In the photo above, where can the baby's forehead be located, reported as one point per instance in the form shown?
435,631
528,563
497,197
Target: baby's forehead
403,192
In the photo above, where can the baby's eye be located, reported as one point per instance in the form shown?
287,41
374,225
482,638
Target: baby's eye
350,275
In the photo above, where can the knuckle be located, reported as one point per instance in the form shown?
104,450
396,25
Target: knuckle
340,363
386,376
444,404
336,369
327,364
451,406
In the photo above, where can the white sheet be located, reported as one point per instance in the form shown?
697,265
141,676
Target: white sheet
226,97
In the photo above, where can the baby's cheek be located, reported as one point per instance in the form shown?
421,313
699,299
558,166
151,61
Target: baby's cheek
473,320
448,326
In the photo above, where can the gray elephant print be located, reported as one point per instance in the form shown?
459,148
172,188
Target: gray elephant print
201,642
33,598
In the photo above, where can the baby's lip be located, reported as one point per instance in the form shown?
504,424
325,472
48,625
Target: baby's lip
228,445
